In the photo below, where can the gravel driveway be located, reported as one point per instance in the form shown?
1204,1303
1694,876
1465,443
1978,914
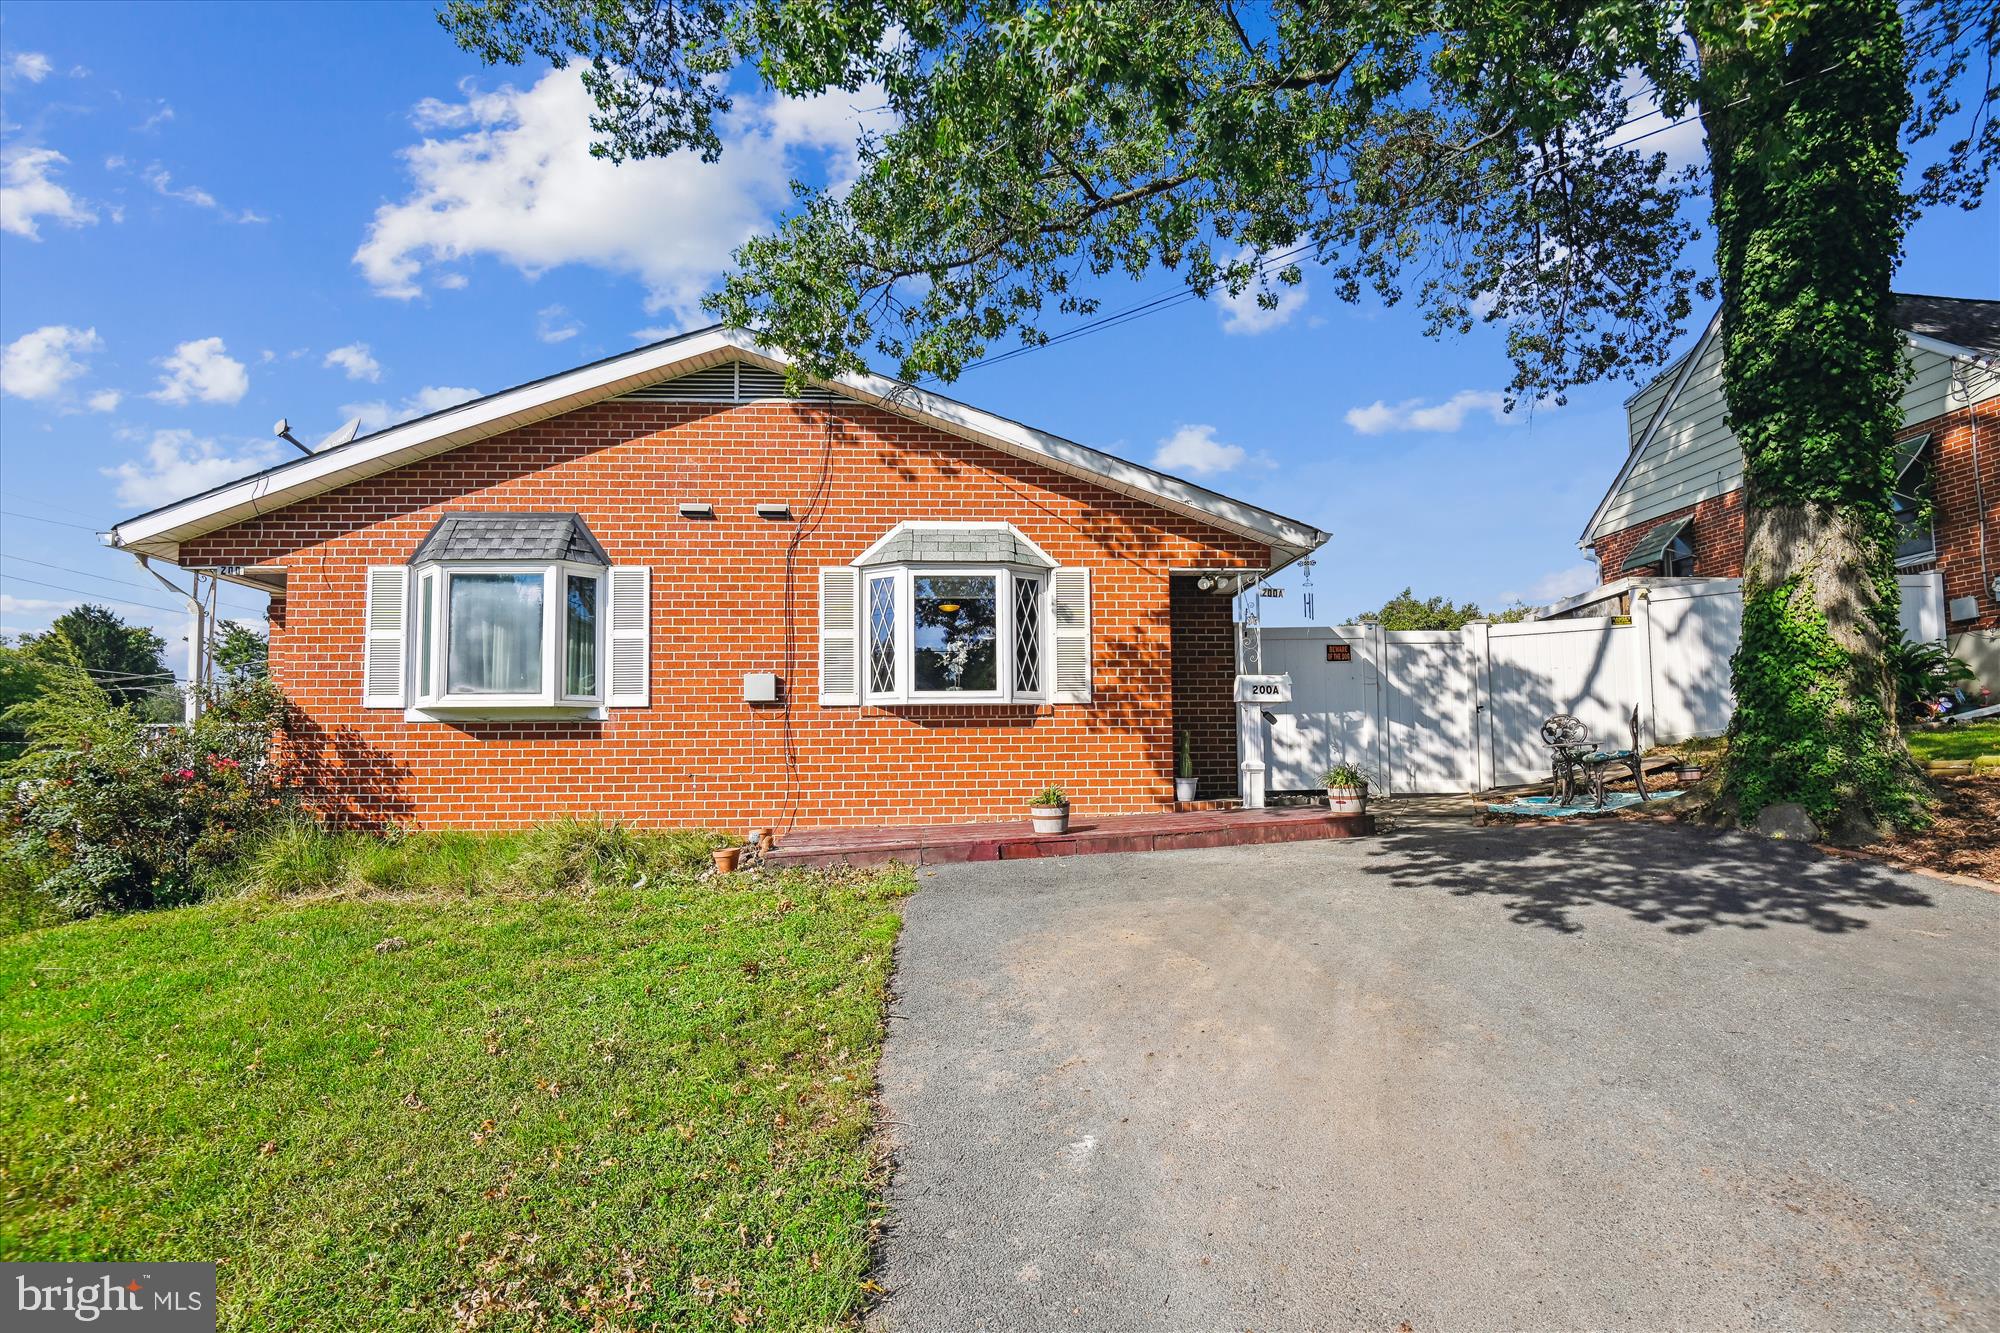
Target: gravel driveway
1628,1075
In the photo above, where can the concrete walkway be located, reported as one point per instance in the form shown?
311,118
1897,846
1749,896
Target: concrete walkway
1623,1075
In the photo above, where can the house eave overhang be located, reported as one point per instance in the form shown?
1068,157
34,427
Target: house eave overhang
161,532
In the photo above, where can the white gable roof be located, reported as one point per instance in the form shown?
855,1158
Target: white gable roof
160,531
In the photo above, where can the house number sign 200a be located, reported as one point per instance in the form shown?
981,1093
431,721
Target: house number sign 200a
1264,689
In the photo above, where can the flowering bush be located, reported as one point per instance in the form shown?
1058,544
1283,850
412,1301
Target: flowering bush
111,814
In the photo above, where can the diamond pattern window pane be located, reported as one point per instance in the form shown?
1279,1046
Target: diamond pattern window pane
882,636
1027,635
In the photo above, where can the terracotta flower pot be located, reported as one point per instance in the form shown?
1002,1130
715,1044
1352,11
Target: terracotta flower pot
726,859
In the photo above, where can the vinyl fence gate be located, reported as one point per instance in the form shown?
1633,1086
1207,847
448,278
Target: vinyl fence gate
1462,710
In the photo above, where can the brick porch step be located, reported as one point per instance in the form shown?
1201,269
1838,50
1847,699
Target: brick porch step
1014,840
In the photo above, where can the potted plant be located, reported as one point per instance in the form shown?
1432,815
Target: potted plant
726,859
1346,789
1049,808
1185,784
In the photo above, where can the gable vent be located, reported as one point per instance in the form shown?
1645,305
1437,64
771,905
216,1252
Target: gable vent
735,382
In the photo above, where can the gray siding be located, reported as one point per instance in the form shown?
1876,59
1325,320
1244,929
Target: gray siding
1694,456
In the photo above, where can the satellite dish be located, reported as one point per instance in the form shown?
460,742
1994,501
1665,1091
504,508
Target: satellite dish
348,430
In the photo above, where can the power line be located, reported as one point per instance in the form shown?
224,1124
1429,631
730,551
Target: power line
85,592
1187,293
129,583
37,518
50,504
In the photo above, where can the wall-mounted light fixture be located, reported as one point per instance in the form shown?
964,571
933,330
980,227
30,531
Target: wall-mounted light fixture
775,509
697,509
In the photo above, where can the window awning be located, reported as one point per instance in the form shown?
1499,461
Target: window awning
1652,547
510,537
957,546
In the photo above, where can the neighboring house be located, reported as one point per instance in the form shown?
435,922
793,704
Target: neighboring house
1675,509
657,588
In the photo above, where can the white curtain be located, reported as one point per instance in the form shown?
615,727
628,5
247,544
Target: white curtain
496,634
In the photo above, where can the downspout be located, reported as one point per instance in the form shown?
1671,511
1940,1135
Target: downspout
191,701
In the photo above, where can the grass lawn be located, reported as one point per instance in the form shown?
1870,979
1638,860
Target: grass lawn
1966,741
634,1108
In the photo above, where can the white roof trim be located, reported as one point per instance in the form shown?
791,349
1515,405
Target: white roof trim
161,531
1658,419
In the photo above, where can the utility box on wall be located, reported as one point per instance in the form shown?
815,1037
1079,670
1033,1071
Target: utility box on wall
1962,608
760,687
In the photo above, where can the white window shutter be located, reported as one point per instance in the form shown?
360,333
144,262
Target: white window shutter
839,639
1069,633
631,636
385,652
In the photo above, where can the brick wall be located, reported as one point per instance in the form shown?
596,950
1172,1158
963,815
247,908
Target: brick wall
699,755
1956,492
1204,674
1718,522
1717,533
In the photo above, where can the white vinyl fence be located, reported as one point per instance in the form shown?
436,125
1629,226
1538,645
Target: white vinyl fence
1459,710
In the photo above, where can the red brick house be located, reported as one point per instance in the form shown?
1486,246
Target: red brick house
1675,509
658,588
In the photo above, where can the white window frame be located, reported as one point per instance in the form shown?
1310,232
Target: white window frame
1921,459
903,578
432,697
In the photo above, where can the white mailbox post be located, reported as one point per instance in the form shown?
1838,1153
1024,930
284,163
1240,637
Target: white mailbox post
1252,693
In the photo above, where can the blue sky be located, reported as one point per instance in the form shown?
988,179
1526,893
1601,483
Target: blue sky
215,216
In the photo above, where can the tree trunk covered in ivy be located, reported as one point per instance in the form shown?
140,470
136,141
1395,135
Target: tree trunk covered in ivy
1809,217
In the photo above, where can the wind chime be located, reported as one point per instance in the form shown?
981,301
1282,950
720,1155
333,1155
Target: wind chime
1306,585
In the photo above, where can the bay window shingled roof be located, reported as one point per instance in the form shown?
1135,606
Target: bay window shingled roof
960,546
486,536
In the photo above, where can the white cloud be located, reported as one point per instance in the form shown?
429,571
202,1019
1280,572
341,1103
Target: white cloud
1414,414
449,282
1241,314
37,365
553,324
1555,586
28,193
179,463
30,65
1685,144
512,176
354,359
202,371
656,333
431,398
104,400
162,182
12,605
1195,449
157,119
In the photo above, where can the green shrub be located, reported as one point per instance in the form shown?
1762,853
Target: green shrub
108,814
1924,674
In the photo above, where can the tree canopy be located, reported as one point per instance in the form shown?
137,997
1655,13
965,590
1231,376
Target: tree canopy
1407,611
1472,156
127,661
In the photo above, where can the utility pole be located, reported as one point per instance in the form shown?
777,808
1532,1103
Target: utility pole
197,638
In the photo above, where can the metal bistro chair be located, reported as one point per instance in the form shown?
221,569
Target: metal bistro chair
1574,757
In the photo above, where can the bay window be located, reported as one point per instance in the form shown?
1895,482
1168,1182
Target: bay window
939,612
513,635
954,634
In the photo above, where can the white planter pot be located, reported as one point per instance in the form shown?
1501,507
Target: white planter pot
1050,818
1184,789
1347,800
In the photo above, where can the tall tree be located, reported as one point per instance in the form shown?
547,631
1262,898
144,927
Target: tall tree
128,661
1476,156
241,653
